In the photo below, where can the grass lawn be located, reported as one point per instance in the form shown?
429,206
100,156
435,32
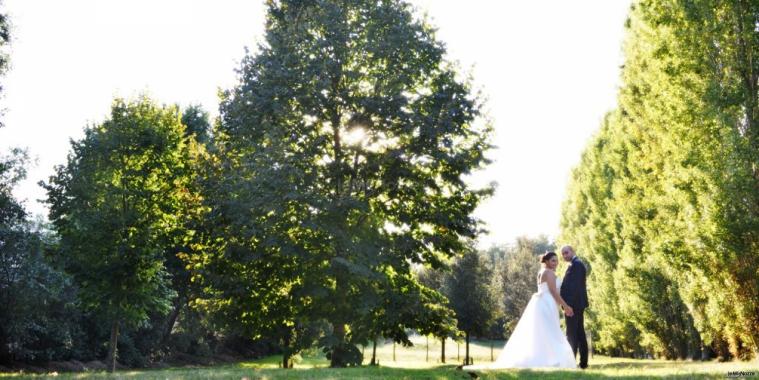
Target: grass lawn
412,363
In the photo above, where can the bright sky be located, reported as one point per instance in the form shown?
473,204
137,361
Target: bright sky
550,70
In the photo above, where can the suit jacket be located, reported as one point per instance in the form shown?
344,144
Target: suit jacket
573,289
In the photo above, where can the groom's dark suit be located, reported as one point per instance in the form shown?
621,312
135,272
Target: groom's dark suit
574,292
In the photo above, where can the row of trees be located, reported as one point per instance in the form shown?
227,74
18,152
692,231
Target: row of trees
52,312
336,166
665,202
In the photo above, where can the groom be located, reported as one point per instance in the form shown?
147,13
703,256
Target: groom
574,292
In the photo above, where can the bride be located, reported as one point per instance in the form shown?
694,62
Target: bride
537,340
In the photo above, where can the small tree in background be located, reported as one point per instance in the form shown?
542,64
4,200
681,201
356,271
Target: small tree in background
471,295
405,305
34,323
515,273
436,279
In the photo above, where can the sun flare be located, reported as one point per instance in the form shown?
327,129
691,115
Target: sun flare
355,136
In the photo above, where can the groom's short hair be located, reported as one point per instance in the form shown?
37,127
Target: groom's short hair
567,247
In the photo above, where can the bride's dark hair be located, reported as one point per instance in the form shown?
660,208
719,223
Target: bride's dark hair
544,258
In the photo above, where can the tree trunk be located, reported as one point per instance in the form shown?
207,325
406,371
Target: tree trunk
427,358
286,351
339,332
5,355
466,356
393,350
112,352
442,350
374,352
172,320
286,359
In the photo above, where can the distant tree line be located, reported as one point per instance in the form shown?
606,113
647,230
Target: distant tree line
488,289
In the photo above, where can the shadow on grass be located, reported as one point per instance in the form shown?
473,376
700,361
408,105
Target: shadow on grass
451,372
632,365
590,374
315,368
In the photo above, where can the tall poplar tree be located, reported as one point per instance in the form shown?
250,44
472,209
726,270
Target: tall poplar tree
666,198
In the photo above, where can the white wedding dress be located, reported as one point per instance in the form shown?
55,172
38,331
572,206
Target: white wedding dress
537,340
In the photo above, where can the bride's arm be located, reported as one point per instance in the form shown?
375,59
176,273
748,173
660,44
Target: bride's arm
550,279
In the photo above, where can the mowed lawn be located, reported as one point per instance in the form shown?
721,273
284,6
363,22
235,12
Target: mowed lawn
413,363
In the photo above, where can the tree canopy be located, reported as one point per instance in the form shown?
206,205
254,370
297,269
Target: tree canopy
117,206
342,153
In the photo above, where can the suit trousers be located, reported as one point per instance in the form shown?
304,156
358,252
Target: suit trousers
576,336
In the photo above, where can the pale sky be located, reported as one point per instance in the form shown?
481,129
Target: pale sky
550,70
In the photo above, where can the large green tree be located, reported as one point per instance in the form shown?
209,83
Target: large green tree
342,157
118,205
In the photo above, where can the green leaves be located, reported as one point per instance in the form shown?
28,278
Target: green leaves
119,206
655,201
341,156
469,289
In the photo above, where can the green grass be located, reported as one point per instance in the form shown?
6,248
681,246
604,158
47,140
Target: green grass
412,363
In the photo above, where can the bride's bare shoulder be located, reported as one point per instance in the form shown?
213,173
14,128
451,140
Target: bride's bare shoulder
547,275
